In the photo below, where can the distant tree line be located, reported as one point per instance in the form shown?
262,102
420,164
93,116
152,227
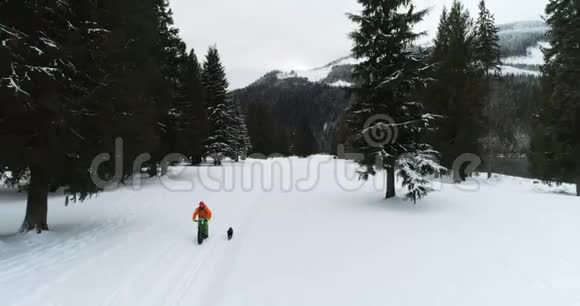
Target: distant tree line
292,116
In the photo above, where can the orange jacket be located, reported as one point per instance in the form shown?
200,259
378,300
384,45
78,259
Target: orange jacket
204,213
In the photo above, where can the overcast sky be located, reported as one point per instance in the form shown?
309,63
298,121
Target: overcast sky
257,36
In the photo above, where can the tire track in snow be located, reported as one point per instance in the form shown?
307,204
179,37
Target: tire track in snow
36,296
57,252
227,259
94,228
123,291
193,275
65,251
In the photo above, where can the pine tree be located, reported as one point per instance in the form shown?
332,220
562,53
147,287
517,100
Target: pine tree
390,71
441,45
46,121
486,43
304,143
487,57
170,57
456,92
171,48
189,114
267,137
74,77
241,137
219,143
556,143
127,102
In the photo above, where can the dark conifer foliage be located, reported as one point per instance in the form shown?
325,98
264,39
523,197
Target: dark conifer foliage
189,116
47,118
555,148
303,141
267,136
183,118
77,75
486,43
241,136
391,70
457,90
487,56
290,101
136,98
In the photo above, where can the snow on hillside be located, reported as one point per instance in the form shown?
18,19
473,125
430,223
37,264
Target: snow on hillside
523,42
535,56
528,26
318,74
304,235
524,38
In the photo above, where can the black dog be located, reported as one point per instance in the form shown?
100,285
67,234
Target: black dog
230,233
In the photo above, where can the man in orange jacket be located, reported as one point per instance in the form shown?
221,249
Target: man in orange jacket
202,214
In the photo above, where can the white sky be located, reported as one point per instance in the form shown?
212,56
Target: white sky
257,36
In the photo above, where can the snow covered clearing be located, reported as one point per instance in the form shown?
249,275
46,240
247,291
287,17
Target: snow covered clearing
507,70
535,56
319,74
324,240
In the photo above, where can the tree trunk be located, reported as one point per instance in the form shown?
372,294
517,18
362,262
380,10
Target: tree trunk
578,187
37,202
164,169
457,177
390,179
489,165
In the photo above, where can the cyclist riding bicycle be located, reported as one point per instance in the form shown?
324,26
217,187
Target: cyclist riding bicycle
202,214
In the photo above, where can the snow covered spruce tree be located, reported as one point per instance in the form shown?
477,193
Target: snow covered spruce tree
456,92
487,56
386,122
221,140
555,150
46,73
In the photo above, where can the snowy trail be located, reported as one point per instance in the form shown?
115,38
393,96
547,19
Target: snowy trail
133,252
507,243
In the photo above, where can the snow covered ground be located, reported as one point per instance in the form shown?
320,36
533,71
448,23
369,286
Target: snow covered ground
304,235
510,70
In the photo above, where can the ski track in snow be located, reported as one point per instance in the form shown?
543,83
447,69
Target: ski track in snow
508,242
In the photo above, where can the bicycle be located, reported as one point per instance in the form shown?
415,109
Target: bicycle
202,230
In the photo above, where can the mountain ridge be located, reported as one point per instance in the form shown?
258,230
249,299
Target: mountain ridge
520,41
322,94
